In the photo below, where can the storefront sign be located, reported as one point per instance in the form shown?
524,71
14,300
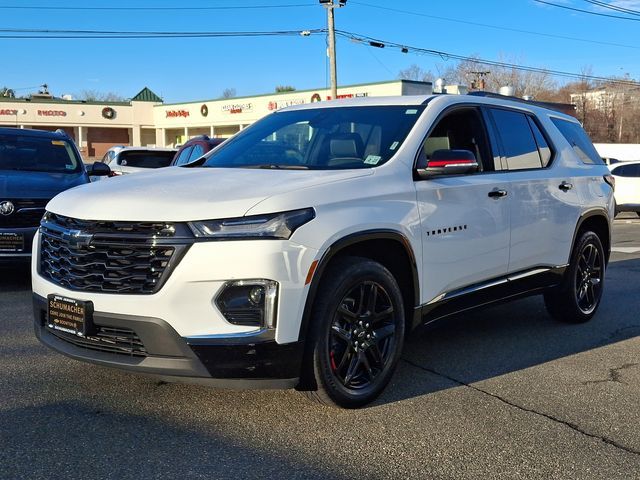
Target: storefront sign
284,103
350,95
237,107
177,113
9,112
52,113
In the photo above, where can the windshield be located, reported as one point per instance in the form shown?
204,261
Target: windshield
146,159
37,154
323,138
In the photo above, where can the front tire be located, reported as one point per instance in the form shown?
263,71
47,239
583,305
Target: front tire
578,297
357,333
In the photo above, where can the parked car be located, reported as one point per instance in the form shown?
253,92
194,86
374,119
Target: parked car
195,148
127,160
34,167
307,268
627,193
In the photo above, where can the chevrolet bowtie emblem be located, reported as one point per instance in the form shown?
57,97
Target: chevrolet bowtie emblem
76,238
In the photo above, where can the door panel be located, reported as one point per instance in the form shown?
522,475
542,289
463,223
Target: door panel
465,233
543,218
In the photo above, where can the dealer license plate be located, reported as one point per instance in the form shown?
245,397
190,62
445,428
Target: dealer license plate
69,315
11,242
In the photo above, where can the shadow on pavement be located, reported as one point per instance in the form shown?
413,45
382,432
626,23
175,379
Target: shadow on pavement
71,440
478,345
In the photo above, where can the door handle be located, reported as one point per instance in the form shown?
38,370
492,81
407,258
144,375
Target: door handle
497,193
565,186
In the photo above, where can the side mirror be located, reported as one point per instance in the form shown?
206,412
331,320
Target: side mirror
449,162
99,169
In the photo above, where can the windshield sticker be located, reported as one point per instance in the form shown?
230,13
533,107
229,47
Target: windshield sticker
411,111
394,145
57,142
372,159
70,167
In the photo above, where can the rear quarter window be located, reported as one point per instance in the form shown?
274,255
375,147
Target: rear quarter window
627,170
143,159
579,141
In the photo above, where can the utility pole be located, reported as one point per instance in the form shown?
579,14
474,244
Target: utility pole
330,5
479,83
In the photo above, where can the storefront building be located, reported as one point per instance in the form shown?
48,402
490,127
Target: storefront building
146,121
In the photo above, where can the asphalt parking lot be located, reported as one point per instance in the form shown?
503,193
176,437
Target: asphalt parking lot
501,393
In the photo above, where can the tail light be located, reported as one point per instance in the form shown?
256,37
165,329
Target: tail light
611,180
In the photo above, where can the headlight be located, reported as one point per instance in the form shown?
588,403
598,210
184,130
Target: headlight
272,226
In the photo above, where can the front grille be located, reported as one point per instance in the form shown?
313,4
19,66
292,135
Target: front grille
27,213
107,339
108,257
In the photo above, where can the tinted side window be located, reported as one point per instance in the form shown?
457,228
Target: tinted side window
196,153
520,147
461,129
579,140
543,146
627,171
184,156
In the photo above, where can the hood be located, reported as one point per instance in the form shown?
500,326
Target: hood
16,184
182,194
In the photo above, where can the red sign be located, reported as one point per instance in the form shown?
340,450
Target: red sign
8,112
52,113
177,113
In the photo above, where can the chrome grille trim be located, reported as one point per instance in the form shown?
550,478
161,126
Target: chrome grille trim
110,257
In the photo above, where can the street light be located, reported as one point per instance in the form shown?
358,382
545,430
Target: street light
330,5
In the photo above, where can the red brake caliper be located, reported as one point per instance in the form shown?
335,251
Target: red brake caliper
333,362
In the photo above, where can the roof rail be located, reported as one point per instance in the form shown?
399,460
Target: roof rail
567,108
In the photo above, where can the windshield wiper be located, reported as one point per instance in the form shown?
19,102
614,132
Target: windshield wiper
275,166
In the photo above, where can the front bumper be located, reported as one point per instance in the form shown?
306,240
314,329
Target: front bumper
245,361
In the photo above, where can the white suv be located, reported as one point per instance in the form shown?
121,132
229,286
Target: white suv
308,246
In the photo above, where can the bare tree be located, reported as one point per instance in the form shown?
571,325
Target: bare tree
285,88
97,96
416,73
7,92
229,93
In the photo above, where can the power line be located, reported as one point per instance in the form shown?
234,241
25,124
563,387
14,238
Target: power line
374,42
60,34
615,8
235,7
566,7
495,27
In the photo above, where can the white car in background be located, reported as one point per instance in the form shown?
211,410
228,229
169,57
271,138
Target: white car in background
627,192
138,159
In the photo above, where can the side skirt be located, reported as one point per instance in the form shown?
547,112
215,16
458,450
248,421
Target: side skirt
512,286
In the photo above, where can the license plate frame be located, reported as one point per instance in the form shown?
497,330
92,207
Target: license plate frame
69,315
11,242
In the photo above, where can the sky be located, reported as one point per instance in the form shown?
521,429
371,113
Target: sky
191,69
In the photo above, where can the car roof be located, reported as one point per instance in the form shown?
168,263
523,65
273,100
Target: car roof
28,132
440,99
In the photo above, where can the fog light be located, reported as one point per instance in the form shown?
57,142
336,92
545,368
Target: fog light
256,295
249,302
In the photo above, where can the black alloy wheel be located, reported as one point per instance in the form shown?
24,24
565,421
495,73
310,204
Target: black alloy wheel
357,333
577,298
589,277
362,335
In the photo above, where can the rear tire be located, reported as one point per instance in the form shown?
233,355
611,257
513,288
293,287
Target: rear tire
577,298
356,333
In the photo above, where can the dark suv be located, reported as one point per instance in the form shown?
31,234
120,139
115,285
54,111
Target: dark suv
195,148
34,167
